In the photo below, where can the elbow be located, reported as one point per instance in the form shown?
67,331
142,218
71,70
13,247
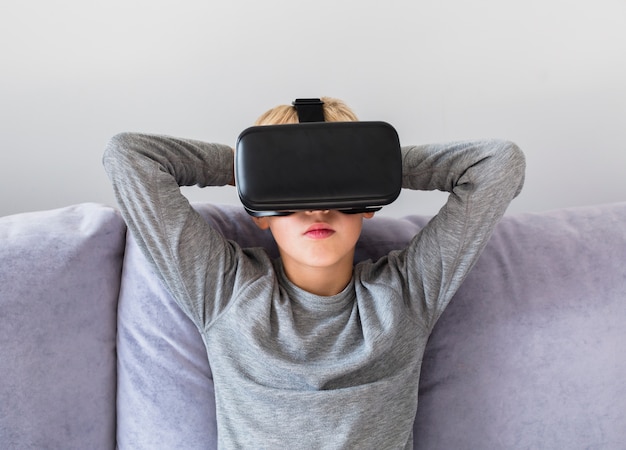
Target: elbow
118,144
514,161
118,148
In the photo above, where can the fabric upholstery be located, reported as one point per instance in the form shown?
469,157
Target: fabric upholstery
59,283
529,354
165,392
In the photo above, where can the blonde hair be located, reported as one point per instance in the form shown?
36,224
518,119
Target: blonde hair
335,110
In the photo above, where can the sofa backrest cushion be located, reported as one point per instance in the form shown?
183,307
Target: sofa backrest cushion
527,355
59,283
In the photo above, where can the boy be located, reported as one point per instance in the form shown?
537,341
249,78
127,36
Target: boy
309,351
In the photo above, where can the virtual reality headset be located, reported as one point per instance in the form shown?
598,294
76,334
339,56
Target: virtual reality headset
353,167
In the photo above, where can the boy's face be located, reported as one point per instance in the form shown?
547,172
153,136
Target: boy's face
315,239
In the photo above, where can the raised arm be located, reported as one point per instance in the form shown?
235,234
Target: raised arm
482,179
146,172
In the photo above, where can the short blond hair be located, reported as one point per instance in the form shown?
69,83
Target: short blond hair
335,110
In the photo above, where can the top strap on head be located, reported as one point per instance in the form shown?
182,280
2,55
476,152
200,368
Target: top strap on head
309,109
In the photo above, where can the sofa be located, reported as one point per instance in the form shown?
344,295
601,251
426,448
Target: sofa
529,354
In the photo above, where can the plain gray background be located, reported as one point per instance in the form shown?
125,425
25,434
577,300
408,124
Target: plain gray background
547,74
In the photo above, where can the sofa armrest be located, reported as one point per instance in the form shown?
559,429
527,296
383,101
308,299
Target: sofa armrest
59,283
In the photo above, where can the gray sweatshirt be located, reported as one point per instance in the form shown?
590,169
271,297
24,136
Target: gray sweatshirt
293,369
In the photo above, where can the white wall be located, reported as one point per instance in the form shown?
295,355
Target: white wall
548,74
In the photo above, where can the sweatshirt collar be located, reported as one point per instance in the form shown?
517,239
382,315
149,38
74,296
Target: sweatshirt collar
312,302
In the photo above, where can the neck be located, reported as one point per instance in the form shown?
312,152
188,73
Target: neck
323,281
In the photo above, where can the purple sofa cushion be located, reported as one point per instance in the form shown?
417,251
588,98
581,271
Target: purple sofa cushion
165,393
529,354
59,283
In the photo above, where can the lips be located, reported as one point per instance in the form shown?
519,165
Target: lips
319,231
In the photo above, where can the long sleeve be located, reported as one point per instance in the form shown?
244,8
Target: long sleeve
482,179
191,258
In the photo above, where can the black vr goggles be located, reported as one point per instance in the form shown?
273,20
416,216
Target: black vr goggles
353,167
